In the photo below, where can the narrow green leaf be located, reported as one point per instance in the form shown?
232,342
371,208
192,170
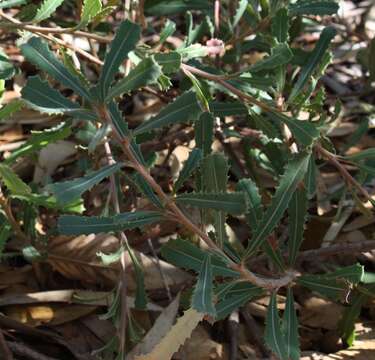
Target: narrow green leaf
204,132
241,8
146,189
145,73
78,225
280,25
190,165
39,140
188,256
89,10
222,109
304,131
184,109
274,337
280,55
214,180
118,122
7,69
232,203
215,173
10,108
371,59
333,285
290,328
13,182
67,191
310,178
313,61
39,95
168,30
362,155
38,53
297,216
237,296
11,3
351,315
127,36
254,200
294,173
170,62
170,7
202,300
314,7
329,288
47,9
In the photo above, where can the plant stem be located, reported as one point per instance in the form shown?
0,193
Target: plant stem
179,216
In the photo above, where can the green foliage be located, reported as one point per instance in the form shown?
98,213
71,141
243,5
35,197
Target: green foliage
76,225
184,109
47,8
210,105
293,174
67,191
127,36
202,300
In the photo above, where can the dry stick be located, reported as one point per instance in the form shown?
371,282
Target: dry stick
123,287
344,173
180,217
78,50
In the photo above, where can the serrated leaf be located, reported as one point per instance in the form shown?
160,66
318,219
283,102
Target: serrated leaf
67,191
294,173
241,8
42,97
188,256
222,109
314,7
297,216
10,108
170,62
11,3
290,328
47,9
304,132
232,203
362,155
145,73
202,299
37,52
184,109
127,36
7,69
170,7
236,296
118,122
280,25
168,30
146,189
89,10
280,55
39,140
190,165
204,131
335,284
13,182
310,178
255,207
214,180
313,61
350,316
274,336
215,173
78,225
